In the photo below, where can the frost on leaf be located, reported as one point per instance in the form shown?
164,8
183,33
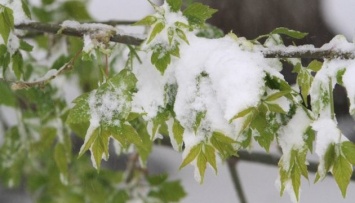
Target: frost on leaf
102,114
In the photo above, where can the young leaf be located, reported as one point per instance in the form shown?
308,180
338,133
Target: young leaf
223,144
198,13
155,31
161,59
6,22
276,95
348,149
194,151
199,117
275,108
26,9
17,63
289,32
25,46
315,65
296,181
148,20
342,171
309,138
60,157
175,5
339,76
178,132
242,113
211,156
201,165
181,35
7,97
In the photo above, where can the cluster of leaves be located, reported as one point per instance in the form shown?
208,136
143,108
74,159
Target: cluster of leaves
194,16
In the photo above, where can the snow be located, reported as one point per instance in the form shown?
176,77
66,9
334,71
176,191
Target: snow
291,136
16,6
327,134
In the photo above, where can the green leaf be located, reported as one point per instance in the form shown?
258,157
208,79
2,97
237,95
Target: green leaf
17,63
170,34
7,97
178,132
181,35
309,138
201,165
283,178
199,117
25,46
289,32
6,22
175,5
194,151
223,144
315,65
275,108
329,157
348,149
168,192
243,113
76,10
161,59
304,80
265,136
339,76
342,171
296,181
157,179
211,156
301,161
155,31
198,13
89,141
61,159
148,20
26,9
276,95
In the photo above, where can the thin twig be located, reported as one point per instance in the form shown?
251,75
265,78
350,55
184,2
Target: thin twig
40,83
233,170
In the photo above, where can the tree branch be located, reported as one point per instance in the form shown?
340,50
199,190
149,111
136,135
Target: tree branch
283,52
59,29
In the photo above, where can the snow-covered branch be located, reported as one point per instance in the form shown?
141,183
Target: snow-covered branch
71,31
279,52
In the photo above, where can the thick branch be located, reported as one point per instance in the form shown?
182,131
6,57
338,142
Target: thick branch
283,52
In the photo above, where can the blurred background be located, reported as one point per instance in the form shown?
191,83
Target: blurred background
322,19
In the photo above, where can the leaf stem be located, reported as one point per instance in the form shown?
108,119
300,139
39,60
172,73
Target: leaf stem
236,180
